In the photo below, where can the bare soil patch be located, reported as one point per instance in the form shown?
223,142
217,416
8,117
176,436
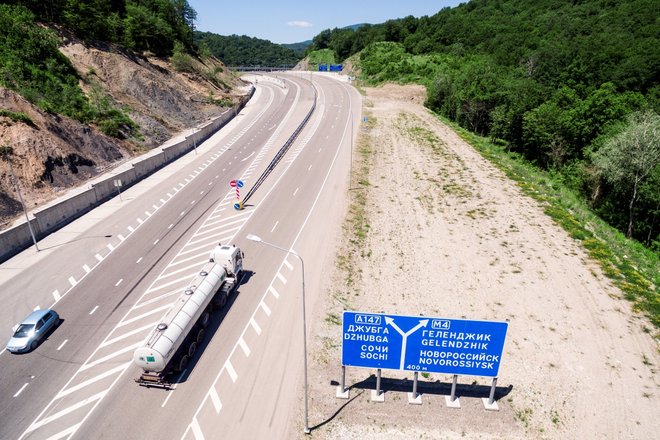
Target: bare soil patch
437,230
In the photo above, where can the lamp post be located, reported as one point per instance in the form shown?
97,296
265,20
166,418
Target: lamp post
253,237
6,152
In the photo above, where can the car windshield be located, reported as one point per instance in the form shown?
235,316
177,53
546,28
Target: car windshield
23,330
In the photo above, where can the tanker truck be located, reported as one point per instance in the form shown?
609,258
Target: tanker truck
169,347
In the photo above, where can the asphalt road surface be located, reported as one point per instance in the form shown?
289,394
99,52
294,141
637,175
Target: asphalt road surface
113,274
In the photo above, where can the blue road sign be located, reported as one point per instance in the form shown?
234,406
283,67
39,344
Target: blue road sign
418,343
239,183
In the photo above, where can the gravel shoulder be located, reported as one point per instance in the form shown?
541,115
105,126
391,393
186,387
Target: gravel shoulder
439,231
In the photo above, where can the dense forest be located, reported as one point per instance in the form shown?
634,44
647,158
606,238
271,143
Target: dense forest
235,50
571,86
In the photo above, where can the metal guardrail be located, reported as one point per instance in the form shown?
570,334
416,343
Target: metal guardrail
281,152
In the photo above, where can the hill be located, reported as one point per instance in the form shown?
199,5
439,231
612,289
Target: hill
555,82
71,108
236,50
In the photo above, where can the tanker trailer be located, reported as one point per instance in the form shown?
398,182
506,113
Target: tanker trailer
169,347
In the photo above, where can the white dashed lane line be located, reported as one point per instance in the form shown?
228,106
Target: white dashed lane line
93,310
138,260
62,344
155,242
296,191
274,226
119,282
21,390
170,226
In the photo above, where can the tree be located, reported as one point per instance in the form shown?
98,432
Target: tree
629,158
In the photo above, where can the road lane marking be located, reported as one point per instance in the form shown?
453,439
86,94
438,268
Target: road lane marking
91,380
281,278
99,257
272,290
155,242
110,356
255,326
86,268
147,213
196,429
182,212
121,237
72,281
215,399
66,411
274,226
93,310
62,344
131,228
21,390
119,282
137,318
289,265
56,295
310,167
173,388
244,347
230,370
296,191
265,307
155,207
140,221
170,226
129,334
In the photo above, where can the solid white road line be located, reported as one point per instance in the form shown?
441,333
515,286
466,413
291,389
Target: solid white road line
274,226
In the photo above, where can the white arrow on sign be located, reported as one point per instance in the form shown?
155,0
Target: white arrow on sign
390,321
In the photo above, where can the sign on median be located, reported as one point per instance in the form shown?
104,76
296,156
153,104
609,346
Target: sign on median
417,343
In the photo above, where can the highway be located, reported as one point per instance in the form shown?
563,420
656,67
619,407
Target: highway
114,273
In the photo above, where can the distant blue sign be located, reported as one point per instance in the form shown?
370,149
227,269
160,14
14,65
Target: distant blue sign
336,67
417,343
323,67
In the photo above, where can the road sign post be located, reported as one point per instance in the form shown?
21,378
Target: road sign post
117,183
417,343
238,184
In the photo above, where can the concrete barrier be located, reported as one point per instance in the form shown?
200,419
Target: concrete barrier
49,219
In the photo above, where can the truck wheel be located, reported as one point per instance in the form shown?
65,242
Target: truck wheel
182,363
206,317
200,335
192,348
222,301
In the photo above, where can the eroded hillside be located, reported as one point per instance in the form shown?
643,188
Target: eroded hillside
52,153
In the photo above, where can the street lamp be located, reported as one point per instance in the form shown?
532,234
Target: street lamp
6,152
253,237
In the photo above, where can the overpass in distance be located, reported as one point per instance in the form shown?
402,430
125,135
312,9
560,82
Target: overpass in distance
262,68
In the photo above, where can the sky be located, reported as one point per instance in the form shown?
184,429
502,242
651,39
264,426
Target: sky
293,21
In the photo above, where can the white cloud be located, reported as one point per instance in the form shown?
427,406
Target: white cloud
300,24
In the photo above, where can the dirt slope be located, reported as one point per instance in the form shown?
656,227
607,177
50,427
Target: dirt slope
54,153
450,236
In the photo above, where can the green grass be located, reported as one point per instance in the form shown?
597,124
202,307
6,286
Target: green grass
632,267
17,117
